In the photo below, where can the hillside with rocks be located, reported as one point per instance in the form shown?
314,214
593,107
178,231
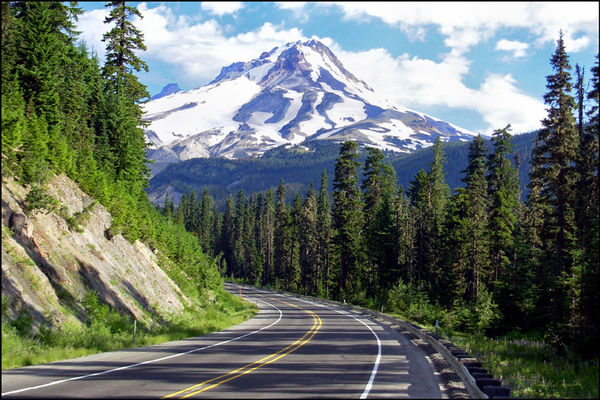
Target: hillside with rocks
51,259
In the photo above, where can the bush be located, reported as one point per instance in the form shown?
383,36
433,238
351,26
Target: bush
413,303
103,319
38,199
482,316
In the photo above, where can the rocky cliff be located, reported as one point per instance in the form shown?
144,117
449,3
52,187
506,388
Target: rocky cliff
51,259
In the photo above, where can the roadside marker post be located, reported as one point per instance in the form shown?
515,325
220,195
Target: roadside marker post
134,329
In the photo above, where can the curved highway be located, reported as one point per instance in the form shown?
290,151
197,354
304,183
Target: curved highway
291,348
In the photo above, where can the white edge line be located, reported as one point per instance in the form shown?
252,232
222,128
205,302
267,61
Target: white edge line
149,361
348,314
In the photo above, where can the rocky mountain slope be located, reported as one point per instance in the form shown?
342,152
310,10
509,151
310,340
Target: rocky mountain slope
297,92
50,260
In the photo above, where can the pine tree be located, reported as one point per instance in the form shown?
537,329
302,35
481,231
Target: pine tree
268,237
504,192
439,195
252,267
294,271
324,233
281,241
124,131
46,32
348,221
553,171
205,222
405,230
379,186
587,273
308,239
239,233
476,218
123,40
227,236
419,193
504,202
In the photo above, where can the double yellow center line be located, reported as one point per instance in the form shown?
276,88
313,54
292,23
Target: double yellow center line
219,380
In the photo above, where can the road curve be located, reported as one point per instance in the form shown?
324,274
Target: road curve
291,348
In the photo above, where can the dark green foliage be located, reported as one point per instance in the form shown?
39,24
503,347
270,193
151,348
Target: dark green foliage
121,43
429,196
348,222
509,279
299,168
308,243
61,115
282,239
586,276
324,234
467,245
379,190
124,135
554,175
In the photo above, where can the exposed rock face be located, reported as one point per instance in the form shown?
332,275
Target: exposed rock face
47,266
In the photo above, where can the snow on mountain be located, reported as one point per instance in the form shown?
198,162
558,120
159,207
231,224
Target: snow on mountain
167,90
293,93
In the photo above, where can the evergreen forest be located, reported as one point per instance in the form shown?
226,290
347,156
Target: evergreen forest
65,112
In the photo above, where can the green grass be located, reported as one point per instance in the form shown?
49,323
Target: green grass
109,334
533,369
530,367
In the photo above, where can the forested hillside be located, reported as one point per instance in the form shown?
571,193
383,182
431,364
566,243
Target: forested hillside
65,114
300,165
478,259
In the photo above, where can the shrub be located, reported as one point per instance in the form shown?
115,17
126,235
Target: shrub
413,303
38,199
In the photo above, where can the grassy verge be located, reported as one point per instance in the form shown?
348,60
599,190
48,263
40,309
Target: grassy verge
101,335
532,368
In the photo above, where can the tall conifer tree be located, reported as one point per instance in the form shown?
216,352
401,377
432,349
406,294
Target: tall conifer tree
476,217
281,241
348,220
324,233
308,242
553,171
124,132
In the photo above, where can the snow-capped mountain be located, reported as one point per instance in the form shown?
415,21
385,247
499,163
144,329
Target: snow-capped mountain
167,90
296,92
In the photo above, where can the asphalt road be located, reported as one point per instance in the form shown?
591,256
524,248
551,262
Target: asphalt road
291,348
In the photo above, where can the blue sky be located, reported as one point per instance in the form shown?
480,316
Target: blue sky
477,65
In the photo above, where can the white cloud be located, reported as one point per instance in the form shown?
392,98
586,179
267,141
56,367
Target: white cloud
516,47
417,83
501,102
221,8
197,49
296,7
465,24
291,5
92,27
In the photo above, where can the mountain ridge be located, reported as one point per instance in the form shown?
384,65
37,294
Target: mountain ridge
292,93
170,88
299,165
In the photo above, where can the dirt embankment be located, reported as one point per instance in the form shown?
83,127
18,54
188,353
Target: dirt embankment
49,261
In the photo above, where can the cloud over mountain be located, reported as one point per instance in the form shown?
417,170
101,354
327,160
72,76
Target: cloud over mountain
292,93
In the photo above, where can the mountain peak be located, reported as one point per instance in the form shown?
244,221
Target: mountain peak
170,88
292,93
